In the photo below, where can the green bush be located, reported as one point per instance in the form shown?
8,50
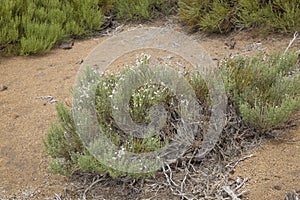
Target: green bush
35,26
264,91
274,16
9,24
63,142
222,16
64,145
83,17
143,9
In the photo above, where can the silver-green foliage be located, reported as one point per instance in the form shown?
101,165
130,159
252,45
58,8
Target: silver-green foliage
266,92
63,142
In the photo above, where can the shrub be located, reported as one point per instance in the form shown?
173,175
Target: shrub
83,17
63,142
35,26
24,23
192,12
263,91
64,145
142,9
9,23
222,16
39,38
218,19
274,16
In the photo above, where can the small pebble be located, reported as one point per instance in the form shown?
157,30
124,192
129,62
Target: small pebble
67,45
3,87
15,116
277,187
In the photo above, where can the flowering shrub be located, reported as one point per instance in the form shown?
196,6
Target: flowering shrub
69,158
264,93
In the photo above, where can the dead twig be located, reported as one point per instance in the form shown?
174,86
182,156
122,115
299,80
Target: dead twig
182,186
88,188
291,42
57,197
235,163
170,176
291,196
232,192
49,99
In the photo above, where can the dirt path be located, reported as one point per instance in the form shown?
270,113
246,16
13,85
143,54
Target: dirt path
25,120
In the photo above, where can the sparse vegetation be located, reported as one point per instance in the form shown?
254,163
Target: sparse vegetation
63,141
32,27
143,9
222,16
264,94
263,91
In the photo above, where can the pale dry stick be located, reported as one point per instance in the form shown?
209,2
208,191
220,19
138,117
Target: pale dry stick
170,182
113,31
57,197
291,42
150,198
292,196
235,163
191,165
50,99
182,189
168,179
171,175
241,184
119,28
88,188
156,192
243,192
182,195
151,187
231,193
45,97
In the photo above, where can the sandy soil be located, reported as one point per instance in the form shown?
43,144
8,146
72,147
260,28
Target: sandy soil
25,120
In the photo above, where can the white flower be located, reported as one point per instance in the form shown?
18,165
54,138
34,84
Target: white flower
121,152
